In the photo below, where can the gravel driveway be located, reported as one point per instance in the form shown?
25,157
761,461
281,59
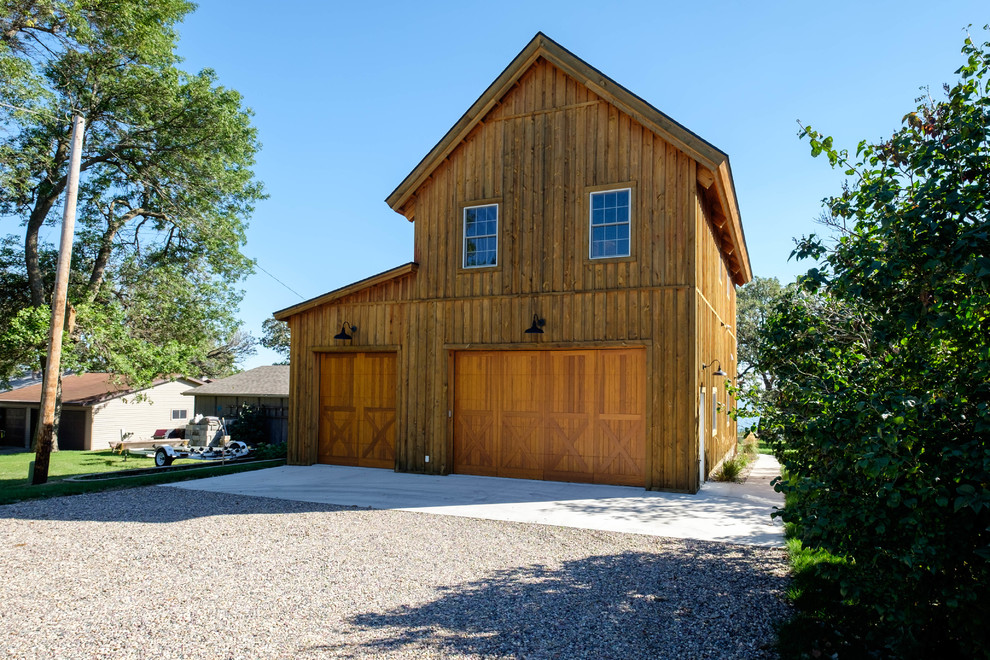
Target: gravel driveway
165,573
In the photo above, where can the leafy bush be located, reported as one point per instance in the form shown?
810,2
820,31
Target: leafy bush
249,426
880,413
276,450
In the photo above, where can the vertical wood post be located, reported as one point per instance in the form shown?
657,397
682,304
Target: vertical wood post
53,367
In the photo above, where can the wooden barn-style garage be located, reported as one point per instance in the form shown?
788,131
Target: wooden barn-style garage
569,312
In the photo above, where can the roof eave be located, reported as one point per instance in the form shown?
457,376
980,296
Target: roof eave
726,193
400,271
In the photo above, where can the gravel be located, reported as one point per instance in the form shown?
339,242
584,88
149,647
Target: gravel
171,573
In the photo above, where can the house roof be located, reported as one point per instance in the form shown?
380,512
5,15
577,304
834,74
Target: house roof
261,381
83,389
714,173
399,271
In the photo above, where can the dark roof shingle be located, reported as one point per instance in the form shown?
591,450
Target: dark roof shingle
261,381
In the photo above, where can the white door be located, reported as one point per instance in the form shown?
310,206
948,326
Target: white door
701,438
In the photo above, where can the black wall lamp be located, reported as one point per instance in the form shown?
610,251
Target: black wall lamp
537,327
717,372
343,331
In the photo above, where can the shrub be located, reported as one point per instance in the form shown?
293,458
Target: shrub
276,450
880,414
249,426
731,468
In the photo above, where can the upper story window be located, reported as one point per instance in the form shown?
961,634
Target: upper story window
610,223
480,236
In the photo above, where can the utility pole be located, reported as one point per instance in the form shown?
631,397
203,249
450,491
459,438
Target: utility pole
53,368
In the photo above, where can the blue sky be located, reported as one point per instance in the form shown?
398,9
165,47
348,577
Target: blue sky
348,97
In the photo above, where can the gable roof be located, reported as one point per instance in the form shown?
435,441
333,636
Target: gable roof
336,294
714,173
83,389
271,380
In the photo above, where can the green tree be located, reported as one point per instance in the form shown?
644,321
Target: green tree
880,412
754,303
165,193
276,337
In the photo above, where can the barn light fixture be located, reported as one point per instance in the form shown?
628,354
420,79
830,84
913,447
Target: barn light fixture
537,327
718,372
343,331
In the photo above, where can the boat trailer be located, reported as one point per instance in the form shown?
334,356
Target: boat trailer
165,454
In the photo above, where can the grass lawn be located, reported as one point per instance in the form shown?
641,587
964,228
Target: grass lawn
15,483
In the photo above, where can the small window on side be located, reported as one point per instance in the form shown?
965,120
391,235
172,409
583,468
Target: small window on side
481,236
610,223
179,414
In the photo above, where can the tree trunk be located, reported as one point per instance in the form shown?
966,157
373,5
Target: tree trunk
46,440
32,260
103,255
48,192
58,412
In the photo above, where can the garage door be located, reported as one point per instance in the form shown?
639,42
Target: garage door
357,409
557,415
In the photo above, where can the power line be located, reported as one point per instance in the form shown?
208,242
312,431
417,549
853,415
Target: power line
46,113
278,280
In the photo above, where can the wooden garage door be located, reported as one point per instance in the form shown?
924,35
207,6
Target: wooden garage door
557,415
357,409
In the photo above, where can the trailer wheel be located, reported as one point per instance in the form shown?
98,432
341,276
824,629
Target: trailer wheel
162,458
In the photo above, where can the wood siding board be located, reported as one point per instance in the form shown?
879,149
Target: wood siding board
634,320
661,219
532,167
621,323
622,138
602,174
683,458
515,185
636,172
452,189
435,421
670,219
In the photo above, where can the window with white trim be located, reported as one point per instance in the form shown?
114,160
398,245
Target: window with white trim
610,223
480,236
180,414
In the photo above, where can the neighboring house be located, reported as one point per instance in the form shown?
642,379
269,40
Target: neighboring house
266,388
96,409
575,261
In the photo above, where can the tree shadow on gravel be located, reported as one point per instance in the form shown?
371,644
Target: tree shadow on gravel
703,600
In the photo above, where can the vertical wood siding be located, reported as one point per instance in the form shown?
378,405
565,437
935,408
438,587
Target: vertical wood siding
716,306
538,154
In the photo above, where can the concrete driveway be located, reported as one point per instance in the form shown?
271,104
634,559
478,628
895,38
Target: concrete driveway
726,512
